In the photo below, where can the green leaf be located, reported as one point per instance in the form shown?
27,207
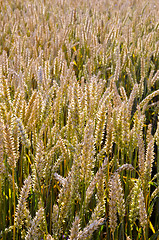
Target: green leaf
154,236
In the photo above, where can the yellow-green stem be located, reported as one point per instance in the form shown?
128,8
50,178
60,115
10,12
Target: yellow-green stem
13,203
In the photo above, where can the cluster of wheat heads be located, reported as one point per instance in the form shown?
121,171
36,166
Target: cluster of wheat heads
79,123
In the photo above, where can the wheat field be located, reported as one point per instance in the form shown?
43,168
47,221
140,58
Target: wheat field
79,120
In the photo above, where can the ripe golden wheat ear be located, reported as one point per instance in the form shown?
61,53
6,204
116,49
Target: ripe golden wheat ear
79,131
